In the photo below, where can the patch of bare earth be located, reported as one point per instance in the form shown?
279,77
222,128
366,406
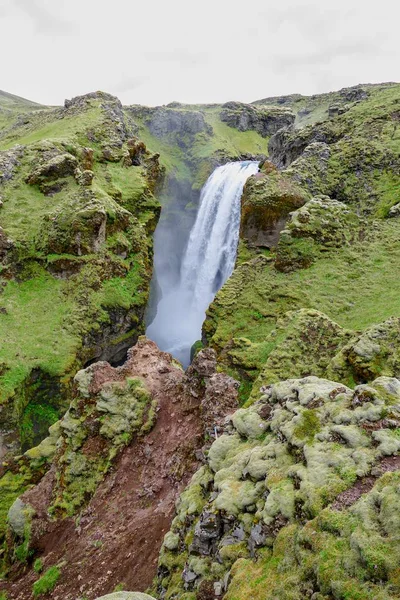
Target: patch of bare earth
364,485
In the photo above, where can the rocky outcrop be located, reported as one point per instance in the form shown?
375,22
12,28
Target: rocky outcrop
273,479
165,121
322,224
374,352
268,198
266,120
125,448
288,144
304,343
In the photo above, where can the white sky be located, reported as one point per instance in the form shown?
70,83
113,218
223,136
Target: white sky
156,51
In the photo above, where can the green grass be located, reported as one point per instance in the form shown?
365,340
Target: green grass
47,582
46,124
38,565
125,184
228,139
346,285
388,188
122,291
33,332
25,207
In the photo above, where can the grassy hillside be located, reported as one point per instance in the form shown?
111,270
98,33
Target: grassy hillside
76,220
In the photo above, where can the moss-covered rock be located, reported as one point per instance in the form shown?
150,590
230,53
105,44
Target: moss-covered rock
305,341
320,225
268,198
374,353
285,467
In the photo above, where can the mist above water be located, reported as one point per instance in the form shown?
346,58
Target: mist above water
207,262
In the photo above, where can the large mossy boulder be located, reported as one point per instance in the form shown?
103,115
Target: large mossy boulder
268,198
293,482
373,353
305,341
322,224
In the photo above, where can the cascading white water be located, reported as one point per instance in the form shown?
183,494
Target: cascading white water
208,262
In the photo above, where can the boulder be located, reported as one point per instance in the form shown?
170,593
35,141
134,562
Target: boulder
58,167
320,225
394,211
268,198
373,353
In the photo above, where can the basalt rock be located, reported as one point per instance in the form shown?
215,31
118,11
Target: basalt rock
288,144
266,120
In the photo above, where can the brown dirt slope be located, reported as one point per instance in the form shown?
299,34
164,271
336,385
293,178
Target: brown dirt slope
116,538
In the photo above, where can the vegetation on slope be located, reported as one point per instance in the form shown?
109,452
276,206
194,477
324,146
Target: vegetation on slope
333,256
77,212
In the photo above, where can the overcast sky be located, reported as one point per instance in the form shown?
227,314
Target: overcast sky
156,51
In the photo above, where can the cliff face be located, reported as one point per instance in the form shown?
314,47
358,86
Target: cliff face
334,253
294,495
77,215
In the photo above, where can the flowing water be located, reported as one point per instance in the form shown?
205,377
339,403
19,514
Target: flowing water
207,263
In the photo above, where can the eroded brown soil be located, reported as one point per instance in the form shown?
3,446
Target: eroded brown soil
364,485
117,537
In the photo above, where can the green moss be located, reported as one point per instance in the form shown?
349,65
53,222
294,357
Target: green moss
11,486
309,425
33,328
388,190
345,284
38,565
120,411
47,582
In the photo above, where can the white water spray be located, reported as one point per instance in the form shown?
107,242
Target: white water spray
208,262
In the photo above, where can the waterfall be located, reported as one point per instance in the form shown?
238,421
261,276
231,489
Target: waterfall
208,261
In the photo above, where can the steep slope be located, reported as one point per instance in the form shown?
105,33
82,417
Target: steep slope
77,213
113,469
335,254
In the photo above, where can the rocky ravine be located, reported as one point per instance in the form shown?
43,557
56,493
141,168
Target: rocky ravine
298,497
125,449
